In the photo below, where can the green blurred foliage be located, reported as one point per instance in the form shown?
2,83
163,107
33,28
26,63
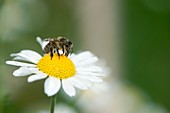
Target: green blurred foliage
147,43
8,106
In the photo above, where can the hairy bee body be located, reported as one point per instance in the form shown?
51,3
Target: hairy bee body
56,44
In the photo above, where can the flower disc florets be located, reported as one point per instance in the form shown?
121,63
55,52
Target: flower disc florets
60,67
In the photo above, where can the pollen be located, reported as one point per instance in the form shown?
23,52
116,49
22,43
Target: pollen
60,67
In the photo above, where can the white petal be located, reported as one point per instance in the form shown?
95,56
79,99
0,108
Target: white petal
68,88
77,83
15,63
39,40
95,69
84,55
19,58
43,43
36,77
89,73
84,81
88,61
81,56
28,55
52,86
34,54
23,71
91,78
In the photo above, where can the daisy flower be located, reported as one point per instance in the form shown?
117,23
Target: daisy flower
75,71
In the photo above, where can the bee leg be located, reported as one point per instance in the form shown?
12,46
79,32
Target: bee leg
58,53
51,52
63,50
51,55
66,54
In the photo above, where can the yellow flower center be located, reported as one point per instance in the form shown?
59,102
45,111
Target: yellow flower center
60,67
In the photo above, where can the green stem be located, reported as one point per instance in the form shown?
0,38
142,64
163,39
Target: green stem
52,103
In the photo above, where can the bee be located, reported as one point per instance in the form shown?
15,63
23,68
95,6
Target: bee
56,44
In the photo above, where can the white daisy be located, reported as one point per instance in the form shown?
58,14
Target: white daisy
75,71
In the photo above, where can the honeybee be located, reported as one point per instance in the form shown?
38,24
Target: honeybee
56,44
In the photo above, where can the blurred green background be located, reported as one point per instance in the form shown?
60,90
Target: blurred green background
148,44
142,42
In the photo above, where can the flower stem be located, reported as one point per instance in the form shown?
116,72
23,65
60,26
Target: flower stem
52,103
